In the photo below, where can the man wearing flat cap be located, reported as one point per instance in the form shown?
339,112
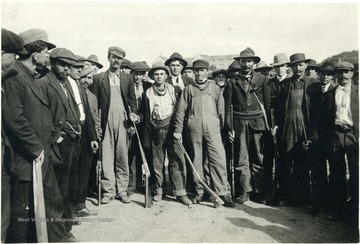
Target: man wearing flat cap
202,106
262,68
338,135
11,44
249,94
65,116
117,100
300,96
93,61
28,125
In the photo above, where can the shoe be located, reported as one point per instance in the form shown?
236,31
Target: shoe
243,198
184,200
69,237
106,199
158,197
129,193
258,198
228,202
123,198
198,199
75,220
85,212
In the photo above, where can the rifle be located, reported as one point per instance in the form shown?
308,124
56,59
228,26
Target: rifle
276,157
217,201
144,170
98,167
232,169
39,203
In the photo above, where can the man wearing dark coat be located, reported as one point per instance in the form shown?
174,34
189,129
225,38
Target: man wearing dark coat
249,94
116,97
32,135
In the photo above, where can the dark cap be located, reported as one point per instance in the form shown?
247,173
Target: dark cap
234,66
94,59
220,71
200,64
11,42
248,53
64,55
327,67
33,35
81,60
176,56
343,65
158,66
312,64
125,63
117,51
139,66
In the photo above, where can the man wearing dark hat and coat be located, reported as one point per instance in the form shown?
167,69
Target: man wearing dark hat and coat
32,135
312,69
338,135
201,107
326,76
301,96
176,64
249,94
117,99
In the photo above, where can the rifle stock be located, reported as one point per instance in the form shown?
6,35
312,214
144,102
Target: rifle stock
232,169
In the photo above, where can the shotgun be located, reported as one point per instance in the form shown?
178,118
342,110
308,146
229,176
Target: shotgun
276,158
232,169
98,166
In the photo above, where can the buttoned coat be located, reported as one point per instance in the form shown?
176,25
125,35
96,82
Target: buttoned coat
101,89
237,93
27,120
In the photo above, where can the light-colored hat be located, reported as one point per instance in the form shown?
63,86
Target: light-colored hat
86,71
280,59
343,65
117,51
94,59
158,66
33,35
262,65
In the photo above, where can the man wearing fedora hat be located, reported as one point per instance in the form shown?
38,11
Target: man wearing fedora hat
117,100
28,125
93,61
176,64
234,68
300,96
262,68
249,94
326,76
338,135
201,105
312,69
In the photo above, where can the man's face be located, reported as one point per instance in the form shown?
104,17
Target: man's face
311,72
160,76
246,65
344,76
41,57
264,72
95,67
281,70
326,77
60,69
188,73
176,68
115,61
299,68
139,76
220,80
200,74
7,59
87,80
75,71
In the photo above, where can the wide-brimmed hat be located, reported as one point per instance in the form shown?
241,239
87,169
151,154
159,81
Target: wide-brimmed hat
87,71
33,35
117,51
298,57
64,55
262,65
312,63
200,64
158,66
248,53
343,65
280,59
176,56
327,67
234,66
11,42
220,71
139,66
94,59
125,63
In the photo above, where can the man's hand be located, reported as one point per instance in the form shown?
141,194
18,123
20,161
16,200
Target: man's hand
40,158
60,139
306,145
94,146
131,131
178,136
134,117
231,136
274,130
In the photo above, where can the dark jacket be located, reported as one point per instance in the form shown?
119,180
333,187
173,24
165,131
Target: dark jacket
101,89
27,120
187,81
325,124
244,101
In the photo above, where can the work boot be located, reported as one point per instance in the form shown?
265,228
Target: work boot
228,202
243,198
158,197
197,199
106,199
184,200
123,198
85,212
69,237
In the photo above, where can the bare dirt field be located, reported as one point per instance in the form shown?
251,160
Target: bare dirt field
171,222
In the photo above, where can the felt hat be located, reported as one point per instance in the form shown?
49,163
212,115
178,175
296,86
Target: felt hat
158,66
86,71
234,66
81,60
117,51
298,57
220,71
176,56
280,59
248,53
94,59
33,35
262,65
125,63
327,67
343,65
312,64
11,42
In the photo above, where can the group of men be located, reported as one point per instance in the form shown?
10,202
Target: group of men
58,115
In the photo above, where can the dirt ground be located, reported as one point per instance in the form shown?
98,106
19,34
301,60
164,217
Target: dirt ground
171,222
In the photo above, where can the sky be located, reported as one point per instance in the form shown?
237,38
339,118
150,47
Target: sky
146,29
